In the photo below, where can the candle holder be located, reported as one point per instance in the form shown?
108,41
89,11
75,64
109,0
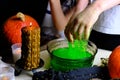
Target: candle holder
18,67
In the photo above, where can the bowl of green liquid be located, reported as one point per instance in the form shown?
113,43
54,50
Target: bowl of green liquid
66,56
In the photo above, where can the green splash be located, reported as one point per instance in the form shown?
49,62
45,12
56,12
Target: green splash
76,50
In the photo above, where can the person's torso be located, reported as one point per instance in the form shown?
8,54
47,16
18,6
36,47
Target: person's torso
109,21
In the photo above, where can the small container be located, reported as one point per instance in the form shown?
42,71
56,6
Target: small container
16,51
66,63
6,71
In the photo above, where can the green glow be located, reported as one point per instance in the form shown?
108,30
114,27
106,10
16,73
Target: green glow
73,57
76,50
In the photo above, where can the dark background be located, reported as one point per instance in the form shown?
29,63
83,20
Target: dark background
35,8
8,8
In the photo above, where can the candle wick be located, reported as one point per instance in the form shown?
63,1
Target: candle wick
30,24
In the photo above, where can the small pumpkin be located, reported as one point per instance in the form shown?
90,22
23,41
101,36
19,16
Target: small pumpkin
13,25
114,63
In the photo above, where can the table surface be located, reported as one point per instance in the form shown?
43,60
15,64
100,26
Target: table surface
27,75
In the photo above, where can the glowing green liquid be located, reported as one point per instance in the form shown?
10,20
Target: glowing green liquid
76,50
74,56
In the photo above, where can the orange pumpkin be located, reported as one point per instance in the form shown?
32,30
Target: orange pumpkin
13,25
114,63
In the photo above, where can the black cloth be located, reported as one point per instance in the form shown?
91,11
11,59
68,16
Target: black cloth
105,41
78,74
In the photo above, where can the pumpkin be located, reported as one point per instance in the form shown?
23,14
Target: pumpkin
13,25
114,63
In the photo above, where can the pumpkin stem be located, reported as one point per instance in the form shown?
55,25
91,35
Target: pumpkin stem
21,16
